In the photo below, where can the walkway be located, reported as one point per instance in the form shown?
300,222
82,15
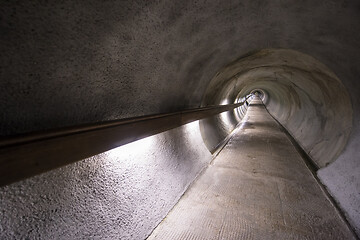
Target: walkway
257,188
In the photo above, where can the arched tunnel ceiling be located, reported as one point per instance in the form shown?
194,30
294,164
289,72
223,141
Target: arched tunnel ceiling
66,63
299,91
70,62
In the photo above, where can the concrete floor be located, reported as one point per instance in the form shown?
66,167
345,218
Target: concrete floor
65,63
257,188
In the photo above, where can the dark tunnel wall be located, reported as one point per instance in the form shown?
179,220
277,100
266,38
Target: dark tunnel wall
70,62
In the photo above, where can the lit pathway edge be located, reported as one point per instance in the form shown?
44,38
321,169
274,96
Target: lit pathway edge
313,168
35,153
258,187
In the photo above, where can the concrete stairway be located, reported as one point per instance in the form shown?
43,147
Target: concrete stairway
257,188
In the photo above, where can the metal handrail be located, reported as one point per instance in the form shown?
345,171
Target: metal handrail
27,155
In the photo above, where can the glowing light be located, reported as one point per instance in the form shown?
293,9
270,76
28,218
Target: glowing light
224,102
131,150
236,114
225,118
192,128
142,149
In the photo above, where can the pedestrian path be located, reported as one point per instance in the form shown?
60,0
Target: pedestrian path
258,187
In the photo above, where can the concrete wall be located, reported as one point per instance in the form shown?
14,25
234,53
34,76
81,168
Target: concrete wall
120,194
311,103
70,62
215,129
304,95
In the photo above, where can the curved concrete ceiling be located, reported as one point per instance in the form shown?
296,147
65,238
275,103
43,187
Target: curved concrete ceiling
70,62
300,92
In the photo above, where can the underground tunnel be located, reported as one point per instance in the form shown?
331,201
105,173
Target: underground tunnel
68,65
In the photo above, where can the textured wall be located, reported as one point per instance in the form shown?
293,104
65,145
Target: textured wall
70,62
120,194
215,129
66,62
310,102
304,95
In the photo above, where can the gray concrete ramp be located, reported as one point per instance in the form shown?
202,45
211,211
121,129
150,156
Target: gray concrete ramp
257,188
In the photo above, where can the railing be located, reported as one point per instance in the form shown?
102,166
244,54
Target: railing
28,155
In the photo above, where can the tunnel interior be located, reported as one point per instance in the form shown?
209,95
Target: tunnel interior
300,92
71,63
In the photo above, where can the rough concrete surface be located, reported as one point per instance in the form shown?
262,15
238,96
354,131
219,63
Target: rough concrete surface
120,194
300,92
311,103
258,187
69,62
215,129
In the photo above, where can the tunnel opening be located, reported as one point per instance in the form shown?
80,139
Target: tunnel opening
306,97
259,93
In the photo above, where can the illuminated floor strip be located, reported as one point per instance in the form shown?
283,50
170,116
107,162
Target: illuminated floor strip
257,188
